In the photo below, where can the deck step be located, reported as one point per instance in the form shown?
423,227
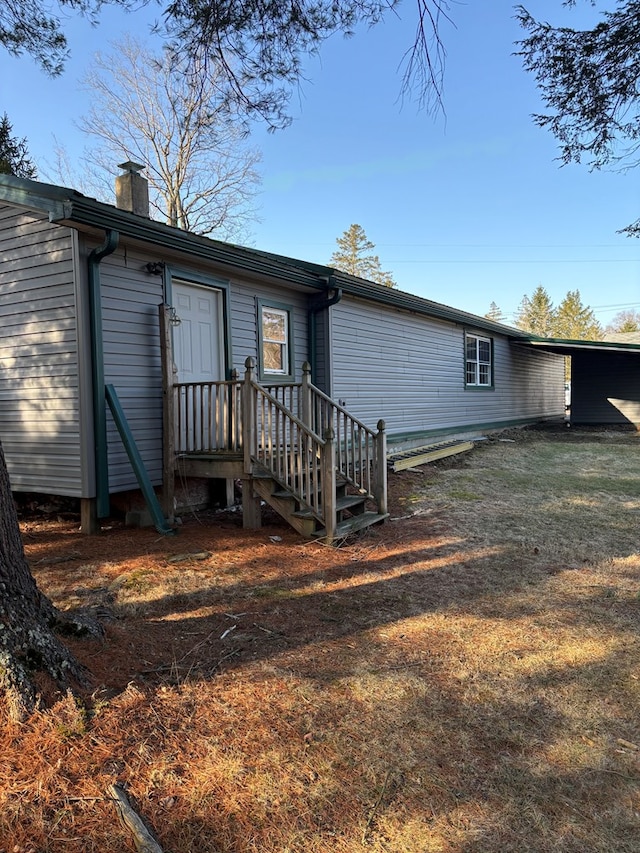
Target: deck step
285,505
353,524
346,502
353,503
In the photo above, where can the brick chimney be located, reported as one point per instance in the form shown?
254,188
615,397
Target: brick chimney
132,190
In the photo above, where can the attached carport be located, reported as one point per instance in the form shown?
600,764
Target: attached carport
605,379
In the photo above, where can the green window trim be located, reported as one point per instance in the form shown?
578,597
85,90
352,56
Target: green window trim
275,341
478,362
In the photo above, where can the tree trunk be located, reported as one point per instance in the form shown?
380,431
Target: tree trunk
28,619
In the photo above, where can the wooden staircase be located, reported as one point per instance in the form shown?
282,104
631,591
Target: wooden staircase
320,468
351,510
292,446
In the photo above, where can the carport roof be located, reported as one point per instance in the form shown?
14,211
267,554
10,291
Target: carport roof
569,347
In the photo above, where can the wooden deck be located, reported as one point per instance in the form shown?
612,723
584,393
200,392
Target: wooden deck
292,446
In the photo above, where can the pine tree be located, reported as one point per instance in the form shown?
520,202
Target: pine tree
574,321
14,157
354,256
588,81
494,313
536,313
29,621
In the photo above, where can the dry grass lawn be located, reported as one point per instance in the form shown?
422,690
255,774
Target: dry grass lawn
464,679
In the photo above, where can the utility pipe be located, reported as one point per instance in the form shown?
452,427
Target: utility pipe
315,309
97,370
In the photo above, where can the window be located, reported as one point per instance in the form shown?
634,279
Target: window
478,361
275,341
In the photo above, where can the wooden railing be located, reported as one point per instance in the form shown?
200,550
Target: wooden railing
288,394
361,453
289,450
208,416
295,431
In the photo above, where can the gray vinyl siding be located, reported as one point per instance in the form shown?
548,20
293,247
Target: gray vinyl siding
244,320
39,378
605,388
132,363
131,342
410,370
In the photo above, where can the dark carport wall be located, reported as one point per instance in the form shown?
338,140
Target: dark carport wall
605,380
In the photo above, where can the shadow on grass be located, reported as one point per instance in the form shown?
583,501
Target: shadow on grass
467,760
344,707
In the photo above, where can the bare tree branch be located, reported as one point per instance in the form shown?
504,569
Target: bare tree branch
252,51
425,60
202,174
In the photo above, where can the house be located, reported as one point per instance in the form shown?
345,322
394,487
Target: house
128,348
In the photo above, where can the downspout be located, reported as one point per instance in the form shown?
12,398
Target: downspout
313,311
97,372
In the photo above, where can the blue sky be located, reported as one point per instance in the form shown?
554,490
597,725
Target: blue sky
465,208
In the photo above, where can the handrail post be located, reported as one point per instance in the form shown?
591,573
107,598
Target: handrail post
328,473
251,511
248,414
380,468
306,403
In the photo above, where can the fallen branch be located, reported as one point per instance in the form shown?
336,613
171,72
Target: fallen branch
376,805
411,514
405,665
614,772
132,822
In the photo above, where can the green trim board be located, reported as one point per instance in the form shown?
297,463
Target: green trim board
137,464
462,429
481,388
34,195
560,344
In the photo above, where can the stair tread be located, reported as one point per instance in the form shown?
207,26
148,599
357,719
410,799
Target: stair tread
344,502
351,525
350,500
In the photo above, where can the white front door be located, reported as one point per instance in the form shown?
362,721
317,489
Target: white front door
198,349
198,353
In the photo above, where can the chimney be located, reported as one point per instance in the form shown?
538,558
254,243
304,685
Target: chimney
132,190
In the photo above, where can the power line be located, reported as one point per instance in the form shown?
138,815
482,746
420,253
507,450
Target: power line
504,246
620,305
628,244
389,262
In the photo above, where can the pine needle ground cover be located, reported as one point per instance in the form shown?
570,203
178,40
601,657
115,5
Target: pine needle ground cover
465,678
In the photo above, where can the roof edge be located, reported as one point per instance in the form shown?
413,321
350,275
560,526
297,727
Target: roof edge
70,207
578,342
